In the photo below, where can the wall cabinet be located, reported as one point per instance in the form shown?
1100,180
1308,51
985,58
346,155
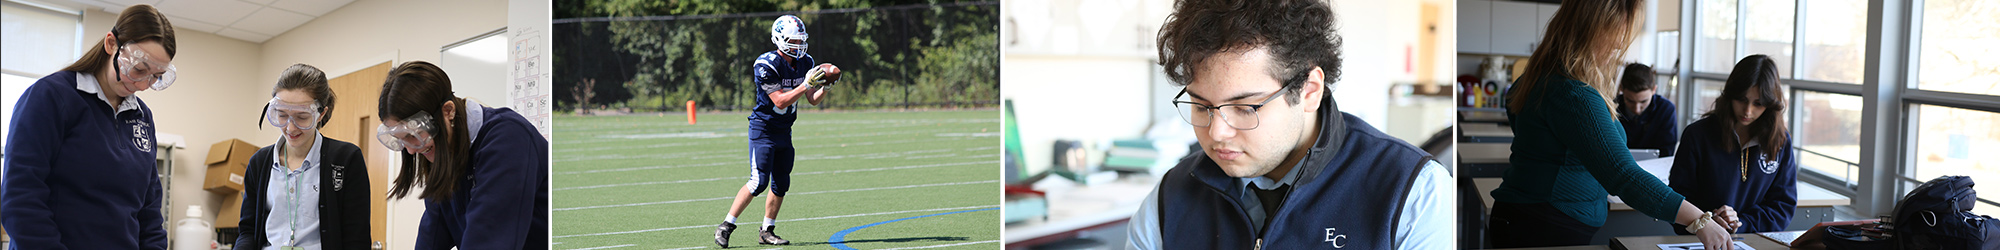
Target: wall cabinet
1502,27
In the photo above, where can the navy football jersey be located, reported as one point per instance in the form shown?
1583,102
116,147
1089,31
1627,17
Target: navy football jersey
772,75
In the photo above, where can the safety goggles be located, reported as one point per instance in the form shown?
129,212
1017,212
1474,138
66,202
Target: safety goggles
413,133
138,66
282,114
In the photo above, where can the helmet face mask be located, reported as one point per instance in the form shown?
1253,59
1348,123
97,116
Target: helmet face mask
789,33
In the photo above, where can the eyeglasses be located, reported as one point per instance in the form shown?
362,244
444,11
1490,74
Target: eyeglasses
1238,116
414,133
135,65
281,114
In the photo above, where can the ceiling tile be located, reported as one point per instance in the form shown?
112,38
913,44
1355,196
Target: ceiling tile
311,7
263,2
223,12
244,35
185,23
271,21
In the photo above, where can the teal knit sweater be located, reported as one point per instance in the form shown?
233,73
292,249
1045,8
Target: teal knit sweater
1570,152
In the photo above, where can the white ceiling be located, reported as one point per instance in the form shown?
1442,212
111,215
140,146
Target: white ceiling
248,20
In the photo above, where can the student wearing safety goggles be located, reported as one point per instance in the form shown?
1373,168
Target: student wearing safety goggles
316,196
79,169
483,170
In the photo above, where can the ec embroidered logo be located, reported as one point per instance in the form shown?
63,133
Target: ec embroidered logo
140,139
1337,240
1768,166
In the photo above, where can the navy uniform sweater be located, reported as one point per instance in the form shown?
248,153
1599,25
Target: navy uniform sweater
1652,129
504,202
1711,174
80,173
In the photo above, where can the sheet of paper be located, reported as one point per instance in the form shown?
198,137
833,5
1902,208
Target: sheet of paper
1785,237
1697,246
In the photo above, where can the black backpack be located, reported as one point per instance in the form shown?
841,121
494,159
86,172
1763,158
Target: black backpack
1937,215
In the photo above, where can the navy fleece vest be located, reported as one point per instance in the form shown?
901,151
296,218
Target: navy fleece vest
1349,196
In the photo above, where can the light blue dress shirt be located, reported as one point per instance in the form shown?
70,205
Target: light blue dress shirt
293,196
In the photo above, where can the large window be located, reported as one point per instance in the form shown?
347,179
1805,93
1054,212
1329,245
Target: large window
1954,141
39,41
1767,25
1816,41
1832,40
1944,117
1956,54
1715,48
1959,53
1824,127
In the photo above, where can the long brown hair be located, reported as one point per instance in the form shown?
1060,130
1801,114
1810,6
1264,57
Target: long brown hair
138,23
419,86
1583,42
1754,71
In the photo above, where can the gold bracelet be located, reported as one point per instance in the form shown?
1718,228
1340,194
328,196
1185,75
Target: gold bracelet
1695,227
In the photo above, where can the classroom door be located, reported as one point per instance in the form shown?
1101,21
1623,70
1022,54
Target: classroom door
354,121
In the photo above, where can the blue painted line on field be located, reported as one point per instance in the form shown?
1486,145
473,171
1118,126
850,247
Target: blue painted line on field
839,239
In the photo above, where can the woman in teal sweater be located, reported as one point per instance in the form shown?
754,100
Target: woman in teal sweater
1569,151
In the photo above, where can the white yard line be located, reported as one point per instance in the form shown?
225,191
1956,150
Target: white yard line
945,245
788,220
793,174
605,247
801,193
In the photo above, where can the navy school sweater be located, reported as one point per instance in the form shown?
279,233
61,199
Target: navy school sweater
1710,174
1653,129
504,202
78,175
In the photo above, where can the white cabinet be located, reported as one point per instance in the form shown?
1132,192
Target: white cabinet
1514,27
1475,26
1502,27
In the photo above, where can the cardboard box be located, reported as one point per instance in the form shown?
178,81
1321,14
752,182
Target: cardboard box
226,163
231,213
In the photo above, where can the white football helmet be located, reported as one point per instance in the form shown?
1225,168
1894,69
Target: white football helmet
785,29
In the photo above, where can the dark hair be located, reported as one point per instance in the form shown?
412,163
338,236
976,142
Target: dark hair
302,77
1299,35
138,23
419,86
1638,77
1754,71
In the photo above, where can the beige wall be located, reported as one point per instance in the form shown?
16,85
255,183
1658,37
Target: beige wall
224,82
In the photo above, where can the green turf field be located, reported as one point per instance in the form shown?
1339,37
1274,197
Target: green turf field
655,182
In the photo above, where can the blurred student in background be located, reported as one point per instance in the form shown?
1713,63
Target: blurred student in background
1648,118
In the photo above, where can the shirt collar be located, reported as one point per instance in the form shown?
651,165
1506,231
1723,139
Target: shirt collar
1746,146
475,117
88,84
1265,183
312,156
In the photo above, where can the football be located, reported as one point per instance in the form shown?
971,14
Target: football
829,72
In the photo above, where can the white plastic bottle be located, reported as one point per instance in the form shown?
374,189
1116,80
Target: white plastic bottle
193,232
